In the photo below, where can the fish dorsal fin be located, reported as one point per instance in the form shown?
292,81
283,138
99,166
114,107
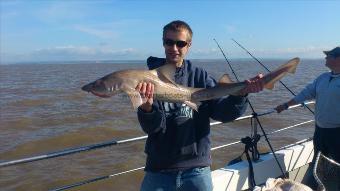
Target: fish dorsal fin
225,79
166,73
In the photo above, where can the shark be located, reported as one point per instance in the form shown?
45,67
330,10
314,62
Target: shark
165,89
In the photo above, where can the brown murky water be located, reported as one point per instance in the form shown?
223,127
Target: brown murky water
42,109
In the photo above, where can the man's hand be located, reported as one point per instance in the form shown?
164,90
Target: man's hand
285,106
281,108
253,85
146,91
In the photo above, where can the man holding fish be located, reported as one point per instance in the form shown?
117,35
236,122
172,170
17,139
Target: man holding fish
178,146
175,101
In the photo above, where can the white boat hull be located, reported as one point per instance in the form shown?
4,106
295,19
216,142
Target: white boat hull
235,177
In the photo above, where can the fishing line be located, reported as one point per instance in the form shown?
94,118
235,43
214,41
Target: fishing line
255,114
284,85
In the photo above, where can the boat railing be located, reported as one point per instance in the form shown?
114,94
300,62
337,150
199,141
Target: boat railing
70,151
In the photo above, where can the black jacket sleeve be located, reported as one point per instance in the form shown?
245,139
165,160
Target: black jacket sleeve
227,108
151,122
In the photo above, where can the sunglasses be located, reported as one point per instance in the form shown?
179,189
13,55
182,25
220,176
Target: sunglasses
179,43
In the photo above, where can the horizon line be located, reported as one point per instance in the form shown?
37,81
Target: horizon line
106,61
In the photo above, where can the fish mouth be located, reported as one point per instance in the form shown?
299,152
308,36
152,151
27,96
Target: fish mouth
99,95
90,89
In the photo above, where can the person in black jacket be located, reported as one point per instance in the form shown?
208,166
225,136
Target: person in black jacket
178,144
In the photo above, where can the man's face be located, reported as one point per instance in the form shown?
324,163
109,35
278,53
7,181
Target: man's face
333,63
174,53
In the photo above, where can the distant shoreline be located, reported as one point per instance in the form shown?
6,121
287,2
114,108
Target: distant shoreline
131,61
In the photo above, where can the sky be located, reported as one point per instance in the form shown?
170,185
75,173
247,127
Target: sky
72,30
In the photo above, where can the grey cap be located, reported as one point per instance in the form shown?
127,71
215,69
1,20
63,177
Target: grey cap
334,52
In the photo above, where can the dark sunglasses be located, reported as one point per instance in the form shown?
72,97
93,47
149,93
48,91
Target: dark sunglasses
179,43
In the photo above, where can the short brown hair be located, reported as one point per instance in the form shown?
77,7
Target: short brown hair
178,26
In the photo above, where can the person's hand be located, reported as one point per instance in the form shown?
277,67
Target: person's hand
253,85
281,107
146,91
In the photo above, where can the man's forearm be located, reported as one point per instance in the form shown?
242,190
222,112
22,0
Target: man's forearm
150,121
285,105
228,109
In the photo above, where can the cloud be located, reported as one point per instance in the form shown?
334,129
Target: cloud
104,51
59,11
107,30
71,52
234,52
70,49
101,33
204,53
230,28
307,51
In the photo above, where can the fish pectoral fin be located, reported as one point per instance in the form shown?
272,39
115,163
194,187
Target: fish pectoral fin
193,105
136,99
225,79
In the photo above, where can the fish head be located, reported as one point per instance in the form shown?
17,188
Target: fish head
103,87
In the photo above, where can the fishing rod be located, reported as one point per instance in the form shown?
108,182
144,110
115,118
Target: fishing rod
225,57
255,116
94,180
284,85
69,151
88,181
270,133
75,150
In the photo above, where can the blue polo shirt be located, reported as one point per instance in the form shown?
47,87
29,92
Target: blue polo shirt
325,89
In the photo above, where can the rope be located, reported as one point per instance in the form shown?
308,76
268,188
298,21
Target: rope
250,146
256,137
